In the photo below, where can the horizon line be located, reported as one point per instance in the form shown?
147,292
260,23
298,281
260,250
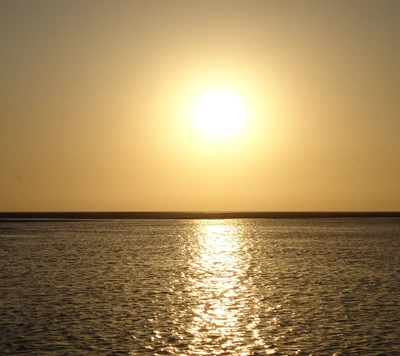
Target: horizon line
193,214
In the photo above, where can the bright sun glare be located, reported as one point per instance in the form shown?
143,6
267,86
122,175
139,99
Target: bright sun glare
219,114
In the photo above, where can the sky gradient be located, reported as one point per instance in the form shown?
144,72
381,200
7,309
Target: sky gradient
95,99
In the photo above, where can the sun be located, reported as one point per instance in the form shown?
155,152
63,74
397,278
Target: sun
219,114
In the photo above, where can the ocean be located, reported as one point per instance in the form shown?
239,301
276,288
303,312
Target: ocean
325,286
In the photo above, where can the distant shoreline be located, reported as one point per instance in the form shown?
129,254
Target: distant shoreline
192,215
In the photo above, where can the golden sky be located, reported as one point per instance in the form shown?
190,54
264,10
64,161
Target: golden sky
97,100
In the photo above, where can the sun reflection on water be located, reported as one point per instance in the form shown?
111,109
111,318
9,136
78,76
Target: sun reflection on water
226,311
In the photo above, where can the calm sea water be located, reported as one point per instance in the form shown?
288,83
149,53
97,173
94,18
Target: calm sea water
200,287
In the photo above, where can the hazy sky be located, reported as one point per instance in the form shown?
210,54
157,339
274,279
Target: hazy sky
95,102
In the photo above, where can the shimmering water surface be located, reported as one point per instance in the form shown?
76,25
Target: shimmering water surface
200,287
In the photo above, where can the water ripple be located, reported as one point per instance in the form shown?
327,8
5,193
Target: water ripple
201,287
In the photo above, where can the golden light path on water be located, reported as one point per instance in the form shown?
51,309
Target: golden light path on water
227,308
